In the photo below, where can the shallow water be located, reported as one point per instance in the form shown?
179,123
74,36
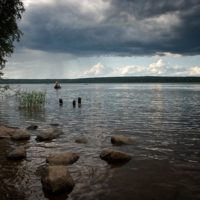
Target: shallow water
164,118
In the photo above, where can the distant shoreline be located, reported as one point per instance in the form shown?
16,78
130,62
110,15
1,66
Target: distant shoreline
142,79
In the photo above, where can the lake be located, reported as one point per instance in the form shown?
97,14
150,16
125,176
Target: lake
164,118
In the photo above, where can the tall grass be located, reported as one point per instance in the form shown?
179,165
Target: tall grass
31,99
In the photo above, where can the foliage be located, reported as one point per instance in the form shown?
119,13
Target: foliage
8,91
31,99
10,12
126,79
4,88
5,91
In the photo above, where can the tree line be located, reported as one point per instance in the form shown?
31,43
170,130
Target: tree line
144,79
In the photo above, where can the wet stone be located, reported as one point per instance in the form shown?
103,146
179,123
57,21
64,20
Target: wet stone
49,134
122,140
57,179
16,154
6,132
21,135
32,127
82,140
62,158
114,156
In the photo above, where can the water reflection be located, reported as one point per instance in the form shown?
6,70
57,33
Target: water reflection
33,114
164,118
14,173
3,116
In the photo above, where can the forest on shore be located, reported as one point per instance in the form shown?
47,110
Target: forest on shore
142,79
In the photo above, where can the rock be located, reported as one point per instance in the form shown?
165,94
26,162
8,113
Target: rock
21,135
17,153
56,179
32,127
40,170
6,132
13,127
54,124
114,156
81,140
120,140
62,158
49,134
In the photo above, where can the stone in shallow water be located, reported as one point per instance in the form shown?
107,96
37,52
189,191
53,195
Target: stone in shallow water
32,127
120,140
110,156
62,158
21,135
81,140
5,132
15,154
56,179
54,124
49,134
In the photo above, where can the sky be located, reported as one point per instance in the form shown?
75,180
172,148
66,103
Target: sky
107,38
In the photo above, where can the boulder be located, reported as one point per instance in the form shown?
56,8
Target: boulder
56,179
120,140
81,140
49,134
32,127
6,132
15,154
114,156
21,135
62,158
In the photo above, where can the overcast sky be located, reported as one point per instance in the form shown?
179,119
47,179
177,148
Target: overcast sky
103,38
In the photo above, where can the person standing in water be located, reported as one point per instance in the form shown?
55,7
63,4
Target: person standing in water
56,82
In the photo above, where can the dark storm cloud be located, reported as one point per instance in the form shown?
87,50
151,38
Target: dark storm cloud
113,27
153,8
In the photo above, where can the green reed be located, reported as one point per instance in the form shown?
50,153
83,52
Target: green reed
31,98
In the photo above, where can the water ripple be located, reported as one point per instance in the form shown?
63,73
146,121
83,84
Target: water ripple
164,118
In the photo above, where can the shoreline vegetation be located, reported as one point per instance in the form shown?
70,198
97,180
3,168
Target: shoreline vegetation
28,99
31,99
142,79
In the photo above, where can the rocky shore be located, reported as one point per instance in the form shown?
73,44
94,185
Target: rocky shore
56,176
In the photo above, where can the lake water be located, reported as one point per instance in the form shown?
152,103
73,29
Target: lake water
164,118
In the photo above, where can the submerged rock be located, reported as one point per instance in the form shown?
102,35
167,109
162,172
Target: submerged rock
81,140
40,170
62,158
49,134
21,135
32,127
120,140
54,124
17,153
114,156
56,179
6,132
